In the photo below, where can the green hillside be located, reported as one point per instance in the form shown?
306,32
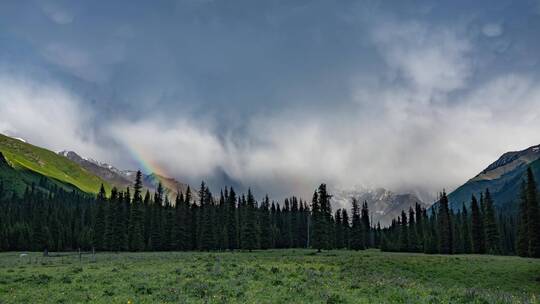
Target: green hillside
17,180
29,162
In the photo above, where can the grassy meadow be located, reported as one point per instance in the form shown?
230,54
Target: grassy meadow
275,276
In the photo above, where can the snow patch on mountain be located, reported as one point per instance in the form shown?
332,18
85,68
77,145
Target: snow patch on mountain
384,205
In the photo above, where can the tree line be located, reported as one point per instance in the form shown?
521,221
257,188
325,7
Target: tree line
479,229
60,220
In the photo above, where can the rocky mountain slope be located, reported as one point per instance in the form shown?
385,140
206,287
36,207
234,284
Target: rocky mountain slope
503,178
384,205
125,178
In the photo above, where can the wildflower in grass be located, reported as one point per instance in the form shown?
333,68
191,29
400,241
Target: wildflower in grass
130,301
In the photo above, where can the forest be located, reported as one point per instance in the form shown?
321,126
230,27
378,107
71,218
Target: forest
129,220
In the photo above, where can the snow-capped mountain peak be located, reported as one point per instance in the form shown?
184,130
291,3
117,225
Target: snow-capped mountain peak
384,205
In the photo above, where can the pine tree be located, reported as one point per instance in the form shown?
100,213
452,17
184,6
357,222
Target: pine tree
302,226
156,233
294,223
232,231
184,218
377,235
357,231
265,226
431,239
419,225
445,226
168,226
249,233
338,229
176,238
147,223
413,236
366,226
286,227
482,214
466,232
403,233
317,223
206,228
221,233
490,226
457,233
117,237
136,217
346,228
326,216
522,246
533,219
477,231
110,239
101,216
274,224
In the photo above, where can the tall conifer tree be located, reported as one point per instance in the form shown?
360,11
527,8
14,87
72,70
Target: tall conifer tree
101,217
533,219
466,232
136,217
249,232
317,224
357,231
264,222
445,226
490,226
477,231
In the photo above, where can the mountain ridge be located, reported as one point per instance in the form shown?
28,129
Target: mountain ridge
126,178
28,160
503,178
384,205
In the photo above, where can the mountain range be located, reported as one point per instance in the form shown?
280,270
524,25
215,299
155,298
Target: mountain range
125,178
384,205
23,164
27,165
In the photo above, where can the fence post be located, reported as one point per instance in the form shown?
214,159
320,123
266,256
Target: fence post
80,256
93,254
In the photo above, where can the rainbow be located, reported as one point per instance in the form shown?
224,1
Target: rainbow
147,166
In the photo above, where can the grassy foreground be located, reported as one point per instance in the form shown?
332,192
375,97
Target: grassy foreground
276,276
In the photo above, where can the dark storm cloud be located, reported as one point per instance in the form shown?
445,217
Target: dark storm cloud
279,95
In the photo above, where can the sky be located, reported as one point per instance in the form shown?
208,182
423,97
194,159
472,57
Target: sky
278,96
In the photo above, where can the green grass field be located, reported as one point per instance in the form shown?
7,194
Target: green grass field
276,276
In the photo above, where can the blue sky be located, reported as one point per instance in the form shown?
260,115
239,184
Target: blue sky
276,95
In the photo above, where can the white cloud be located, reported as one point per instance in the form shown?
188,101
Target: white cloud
433,60
173,148
492,29
75,61
57,13
45,114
